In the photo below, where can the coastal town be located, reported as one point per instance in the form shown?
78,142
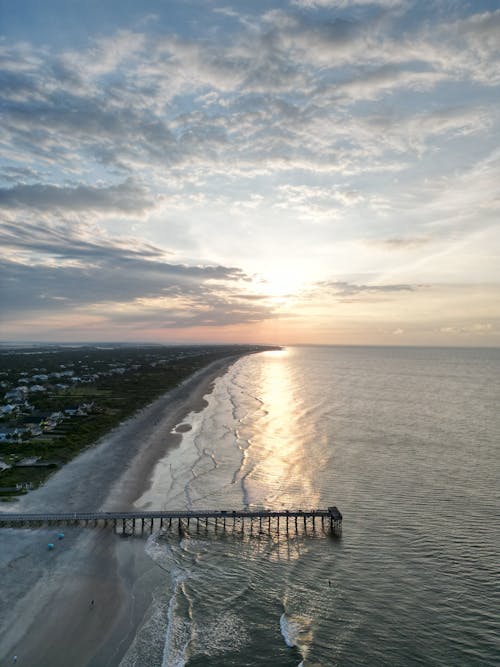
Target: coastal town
58,400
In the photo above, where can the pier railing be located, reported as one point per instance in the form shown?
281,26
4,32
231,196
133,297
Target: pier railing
129,523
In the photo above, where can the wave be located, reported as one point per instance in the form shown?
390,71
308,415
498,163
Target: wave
179,630
297,633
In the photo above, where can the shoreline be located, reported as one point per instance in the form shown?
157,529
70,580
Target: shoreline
50,621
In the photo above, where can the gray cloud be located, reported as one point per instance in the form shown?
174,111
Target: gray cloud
126,197
398,243
346,290
72,273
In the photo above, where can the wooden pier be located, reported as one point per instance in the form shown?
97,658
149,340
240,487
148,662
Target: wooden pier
131,523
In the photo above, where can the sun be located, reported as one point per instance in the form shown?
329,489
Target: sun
281,284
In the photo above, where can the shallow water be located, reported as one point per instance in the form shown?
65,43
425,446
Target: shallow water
405,442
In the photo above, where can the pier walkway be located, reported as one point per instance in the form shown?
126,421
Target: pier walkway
130,523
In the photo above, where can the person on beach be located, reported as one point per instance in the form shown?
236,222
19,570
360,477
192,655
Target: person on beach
92,603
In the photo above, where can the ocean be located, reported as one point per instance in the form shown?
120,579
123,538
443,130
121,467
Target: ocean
405,442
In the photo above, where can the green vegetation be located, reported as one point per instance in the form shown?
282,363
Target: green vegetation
99,388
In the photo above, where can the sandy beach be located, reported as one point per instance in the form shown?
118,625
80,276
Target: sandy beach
46,611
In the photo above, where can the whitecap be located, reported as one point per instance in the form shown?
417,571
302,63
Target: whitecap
296,631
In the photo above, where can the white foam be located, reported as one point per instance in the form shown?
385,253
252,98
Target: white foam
178,633
144,642
288,630
225,633
296,631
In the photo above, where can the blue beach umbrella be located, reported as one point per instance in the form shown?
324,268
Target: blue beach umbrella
60,536
50,546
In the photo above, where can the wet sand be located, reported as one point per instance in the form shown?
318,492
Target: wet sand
45,600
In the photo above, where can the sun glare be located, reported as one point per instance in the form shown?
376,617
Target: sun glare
282,284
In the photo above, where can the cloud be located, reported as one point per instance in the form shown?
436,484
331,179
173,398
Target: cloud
480,33
72,271
451,201
346,291
399,243
372,83
64,242
127,197
480,329
346,4
315,203
279,88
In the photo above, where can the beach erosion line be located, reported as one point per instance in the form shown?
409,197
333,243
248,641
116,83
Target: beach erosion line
44,606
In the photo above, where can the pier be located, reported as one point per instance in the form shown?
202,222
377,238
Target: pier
132,523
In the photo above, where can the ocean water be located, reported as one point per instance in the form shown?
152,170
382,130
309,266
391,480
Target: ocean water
405,441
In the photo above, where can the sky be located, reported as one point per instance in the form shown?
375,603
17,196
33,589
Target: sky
304,171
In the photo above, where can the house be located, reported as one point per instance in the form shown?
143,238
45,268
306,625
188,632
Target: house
34,429
9,434
84,409
15,395
8,409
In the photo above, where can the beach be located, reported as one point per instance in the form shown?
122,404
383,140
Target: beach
47,614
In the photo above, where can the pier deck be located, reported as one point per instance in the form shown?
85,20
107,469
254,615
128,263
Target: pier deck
127,522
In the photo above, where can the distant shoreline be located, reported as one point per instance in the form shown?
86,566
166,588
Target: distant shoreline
57,403
46,617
